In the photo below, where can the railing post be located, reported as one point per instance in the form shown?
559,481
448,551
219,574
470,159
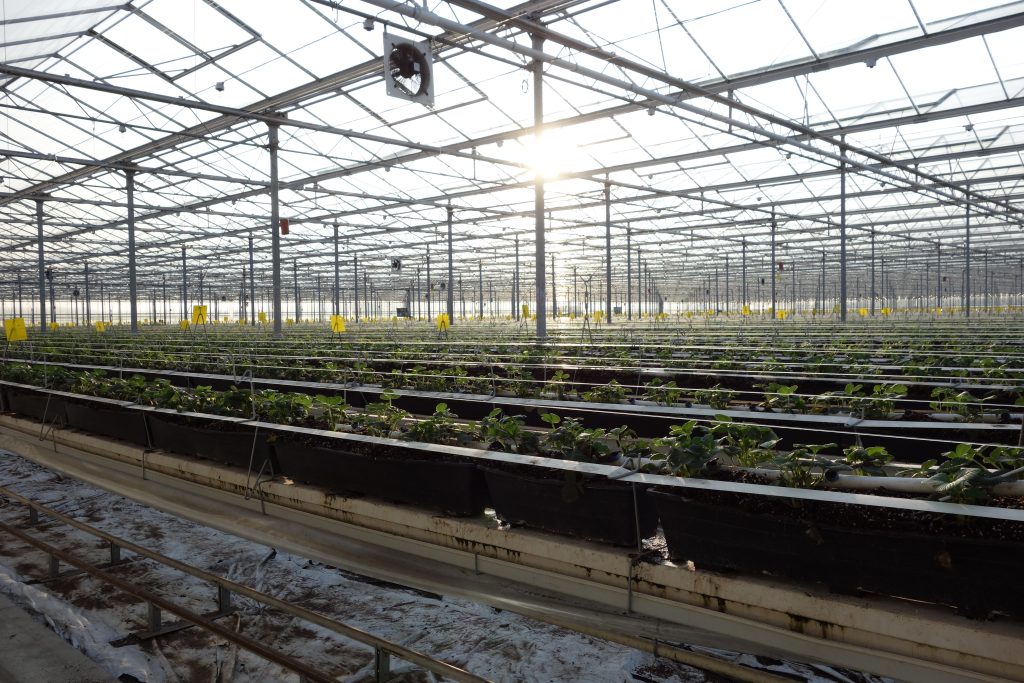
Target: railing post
381,665
154,617
223,599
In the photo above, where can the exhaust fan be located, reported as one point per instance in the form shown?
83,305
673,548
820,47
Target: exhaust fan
408,70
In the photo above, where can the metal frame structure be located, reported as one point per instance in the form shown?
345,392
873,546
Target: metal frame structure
681,137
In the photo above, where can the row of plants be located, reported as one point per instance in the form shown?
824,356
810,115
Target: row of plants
306,358
963,561
692,449
880,401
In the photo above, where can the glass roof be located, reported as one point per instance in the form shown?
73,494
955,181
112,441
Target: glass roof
704,119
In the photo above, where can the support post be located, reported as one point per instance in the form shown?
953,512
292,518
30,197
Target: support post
252,287
726,299
480,288
275,220
538,194
295,284
451,270
42,266
429,288
629,274
773,266
337,275
608,249
184,286
88,299
639,286
873,295
938,274
355,282
554,292
842,230
743,270
516,307
967,273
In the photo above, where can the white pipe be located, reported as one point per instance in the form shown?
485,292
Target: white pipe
919,486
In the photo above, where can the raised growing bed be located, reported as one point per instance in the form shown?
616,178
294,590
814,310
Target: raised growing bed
430,480
970,563
35,404
572,504
223,442
112,421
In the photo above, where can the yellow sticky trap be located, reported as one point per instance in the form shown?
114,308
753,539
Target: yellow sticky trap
15,329
54,327
289,321
939,310
862,311
262,317
101,326
746,310
443,323
337,324
199,315
886,311
781,315
598,315
183,325
689,314
226,319
526,310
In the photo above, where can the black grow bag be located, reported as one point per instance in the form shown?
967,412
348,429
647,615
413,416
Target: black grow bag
426,480
113,421
602,511
228,443
36,404
851,550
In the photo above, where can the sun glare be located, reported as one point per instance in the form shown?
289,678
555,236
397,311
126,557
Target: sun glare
552,155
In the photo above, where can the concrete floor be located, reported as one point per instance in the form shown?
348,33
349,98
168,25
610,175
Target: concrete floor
32,653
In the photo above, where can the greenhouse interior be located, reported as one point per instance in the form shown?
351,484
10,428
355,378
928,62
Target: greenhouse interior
554,340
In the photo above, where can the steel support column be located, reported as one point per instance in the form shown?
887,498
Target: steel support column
295,283
629,274
538,190
842,231
938,274
252,287
967,258
355,282
639,285
743,271
275,235
554,292
608,248
42,265
773,266
516,307
451,269
337,275
88,299
184,287
873,295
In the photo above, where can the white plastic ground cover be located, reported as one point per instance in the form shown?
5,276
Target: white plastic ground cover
491,643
